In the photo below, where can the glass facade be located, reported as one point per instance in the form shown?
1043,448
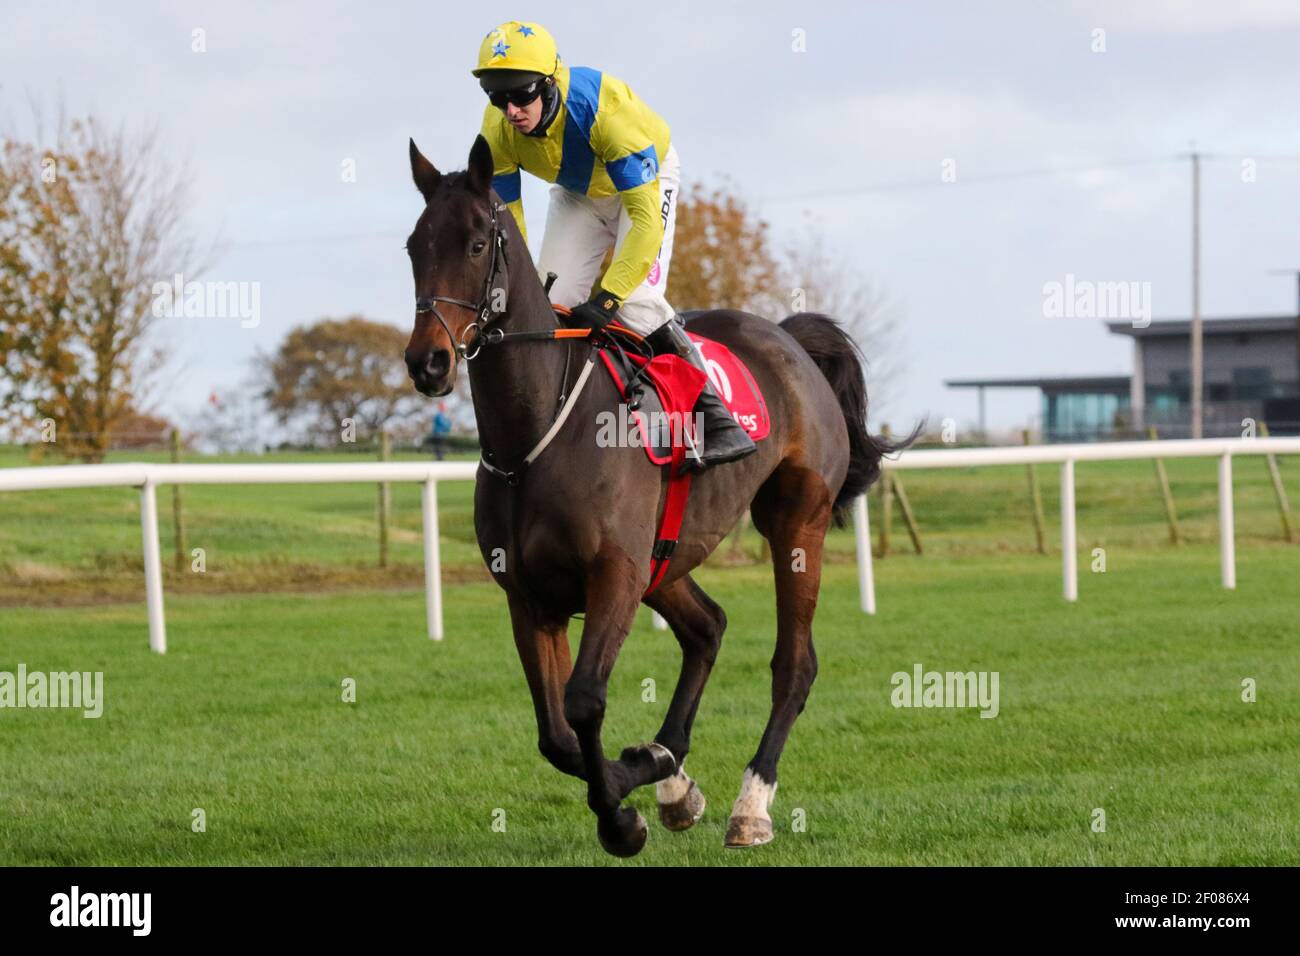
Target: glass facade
1248,385
1083,416
1252,383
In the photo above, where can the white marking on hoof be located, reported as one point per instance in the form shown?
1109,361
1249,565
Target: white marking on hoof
750,824
674,788
681,805
756,796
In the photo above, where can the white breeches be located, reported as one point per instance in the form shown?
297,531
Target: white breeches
580,230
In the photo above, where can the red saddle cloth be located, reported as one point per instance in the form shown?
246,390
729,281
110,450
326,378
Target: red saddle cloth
678,384
732,381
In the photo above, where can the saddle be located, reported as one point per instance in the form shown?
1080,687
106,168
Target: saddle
659,394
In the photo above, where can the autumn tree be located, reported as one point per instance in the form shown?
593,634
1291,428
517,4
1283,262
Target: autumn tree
141,430
725,257
334,370
722,256
87,226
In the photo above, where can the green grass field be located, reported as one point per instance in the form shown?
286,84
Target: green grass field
1128,701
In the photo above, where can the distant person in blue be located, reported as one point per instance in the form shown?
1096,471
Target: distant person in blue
441,429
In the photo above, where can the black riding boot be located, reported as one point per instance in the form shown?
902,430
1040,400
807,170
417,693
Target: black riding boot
723,438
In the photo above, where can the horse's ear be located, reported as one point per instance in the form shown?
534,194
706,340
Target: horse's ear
479,175
423,172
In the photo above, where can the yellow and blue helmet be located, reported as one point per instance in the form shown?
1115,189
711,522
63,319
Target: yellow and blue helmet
515,53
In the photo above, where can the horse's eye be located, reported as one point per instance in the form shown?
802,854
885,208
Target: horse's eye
478,247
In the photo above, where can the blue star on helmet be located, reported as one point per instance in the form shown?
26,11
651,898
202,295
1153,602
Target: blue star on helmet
499,49
526,30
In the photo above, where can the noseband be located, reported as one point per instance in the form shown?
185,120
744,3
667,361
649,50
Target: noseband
467,348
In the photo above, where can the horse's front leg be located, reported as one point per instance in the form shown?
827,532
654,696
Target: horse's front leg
543,645
614,587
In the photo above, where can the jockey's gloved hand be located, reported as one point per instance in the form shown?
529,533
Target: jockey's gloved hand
597,312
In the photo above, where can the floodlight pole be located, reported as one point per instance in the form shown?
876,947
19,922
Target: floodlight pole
1198,353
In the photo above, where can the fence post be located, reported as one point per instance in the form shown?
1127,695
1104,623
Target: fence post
1227,540
909,518
153,593
866,573
1036,498
738,537
904,506
1069,559
178,516
385,499
886,501
1279,491
1171,513
432,560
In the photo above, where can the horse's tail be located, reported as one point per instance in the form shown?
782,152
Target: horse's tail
841,361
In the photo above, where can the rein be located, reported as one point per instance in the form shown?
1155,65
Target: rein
496,336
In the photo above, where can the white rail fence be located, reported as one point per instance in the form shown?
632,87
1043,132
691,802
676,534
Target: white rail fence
1066,455
147,478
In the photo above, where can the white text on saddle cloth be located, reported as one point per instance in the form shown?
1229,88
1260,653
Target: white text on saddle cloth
736,387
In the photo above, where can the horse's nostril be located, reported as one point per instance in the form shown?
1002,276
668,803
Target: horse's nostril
429,370
437,363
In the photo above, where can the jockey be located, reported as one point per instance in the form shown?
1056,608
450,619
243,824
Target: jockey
616,180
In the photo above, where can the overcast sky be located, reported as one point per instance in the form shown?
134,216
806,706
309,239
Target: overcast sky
854,130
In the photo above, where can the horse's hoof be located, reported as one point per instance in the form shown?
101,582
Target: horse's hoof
654,757
626,833
748,831
684,812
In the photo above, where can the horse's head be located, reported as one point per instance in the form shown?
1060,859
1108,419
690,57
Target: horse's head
457,252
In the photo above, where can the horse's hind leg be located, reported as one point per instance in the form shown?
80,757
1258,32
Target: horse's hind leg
794,511
697,623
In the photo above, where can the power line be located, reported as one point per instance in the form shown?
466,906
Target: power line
978,179
1006,176
1266,157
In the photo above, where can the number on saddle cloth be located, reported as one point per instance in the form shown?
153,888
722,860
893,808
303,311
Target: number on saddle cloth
735,385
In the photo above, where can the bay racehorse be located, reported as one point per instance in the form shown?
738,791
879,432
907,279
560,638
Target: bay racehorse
570,530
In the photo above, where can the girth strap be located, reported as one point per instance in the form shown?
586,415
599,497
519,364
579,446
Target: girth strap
670,525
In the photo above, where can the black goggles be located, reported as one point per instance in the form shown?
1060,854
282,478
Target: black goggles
521,96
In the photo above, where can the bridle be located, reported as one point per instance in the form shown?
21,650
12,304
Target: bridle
483,308
468,348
